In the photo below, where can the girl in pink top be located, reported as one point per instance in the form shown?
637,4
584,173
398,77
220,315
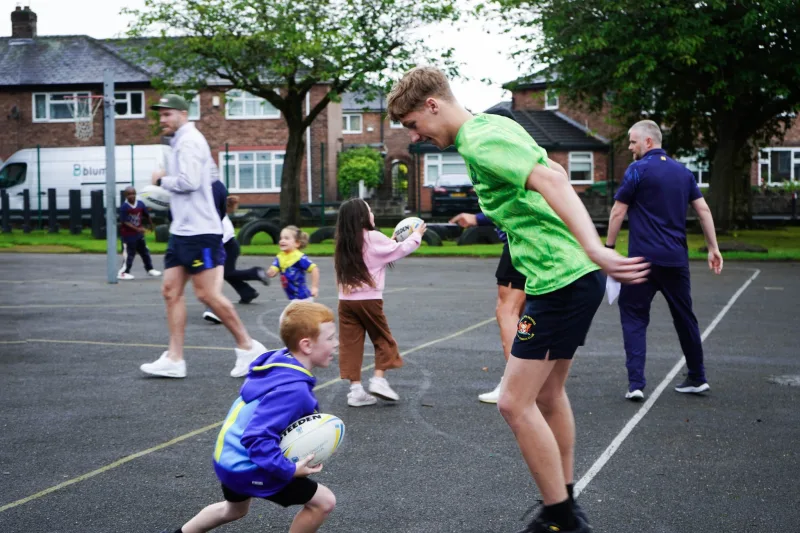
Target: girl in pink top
360,260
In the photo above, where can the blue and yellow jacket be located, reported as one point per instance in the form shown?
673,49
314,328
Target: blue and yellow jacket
247,457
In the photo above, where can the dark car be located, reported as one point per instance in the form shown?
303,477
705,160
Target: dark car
453,194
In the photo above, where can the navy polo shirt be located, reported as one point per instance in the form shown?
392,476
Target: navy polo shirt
658,190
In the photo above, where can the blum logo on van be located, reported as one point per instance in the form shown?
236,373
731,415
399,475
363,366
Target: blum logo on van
80,170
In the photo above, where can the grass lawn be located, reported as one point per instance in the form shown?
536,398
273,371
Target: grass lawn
783,244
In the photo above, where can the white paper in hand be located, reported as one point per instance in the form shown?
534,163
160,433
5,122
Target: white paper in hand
612,289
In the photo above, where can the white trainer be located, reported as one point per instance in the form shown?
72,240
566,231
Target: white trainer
165,367
634,395
358,397
380,387
491,397
245,357
154,273
125,276
211,317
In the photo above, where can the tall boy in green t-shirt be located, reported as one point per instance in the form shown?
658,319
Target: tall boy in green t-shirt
554,243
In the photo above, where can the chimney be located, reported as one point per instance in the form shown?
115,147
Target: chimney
23,23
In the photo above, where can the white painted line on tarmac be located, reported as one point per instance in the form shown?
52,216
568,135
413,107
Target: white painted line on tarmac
620,438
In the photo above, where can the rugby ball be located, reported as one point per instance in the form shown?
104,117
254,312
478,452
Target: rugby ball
319,434
155,197
406,227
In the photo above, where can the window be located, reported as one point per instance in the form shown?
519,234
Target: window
351,123
59,107
129,104
12,174
700,168
194,108
581,167
252,171
395,125
446,164
241,105
779,165
551,99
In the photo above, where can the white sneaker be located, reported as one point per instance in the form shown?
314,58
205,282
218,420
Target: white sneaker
491,397
125,276
634,395
245,357
358,397
165,367
380,387
211,317
154,273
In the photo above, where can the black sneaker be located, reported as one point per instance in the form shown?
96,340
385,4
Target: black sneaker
693,386
538,525
262,276
249,299
583,520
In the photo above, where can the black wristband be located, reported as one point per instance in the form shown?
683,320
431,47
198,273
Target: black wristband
158,182
610,246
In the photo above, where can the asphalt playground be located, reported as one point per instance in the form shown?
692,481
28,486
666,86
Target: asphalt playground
88,444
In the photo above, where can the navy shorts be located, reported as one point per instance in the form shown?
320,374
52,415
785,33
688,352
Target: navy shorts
299,491
557,322
195,253
506,274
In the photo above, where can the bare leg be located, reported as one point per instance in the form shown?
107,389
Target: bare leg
510,304
313,514
208,288
172,289
557,411
215,515
522,382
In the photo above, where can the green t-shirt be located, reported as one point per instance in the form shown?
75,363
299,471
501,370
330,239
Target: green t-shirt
500,156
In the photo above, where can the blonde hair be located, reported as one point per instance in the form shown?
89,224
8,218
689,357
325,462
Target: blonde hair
418,84
300,237
302,320
650,129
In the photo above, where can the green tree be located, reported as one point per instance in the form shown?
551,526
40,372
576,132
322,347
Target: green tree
359,164
719,74
278,50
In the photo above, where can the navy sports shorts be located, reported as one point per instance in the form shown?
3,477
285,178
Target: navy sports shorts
557,322
506,274
195,253
299,491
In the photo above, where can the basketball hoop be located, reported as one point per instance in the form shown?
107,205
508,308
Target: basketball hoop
83,111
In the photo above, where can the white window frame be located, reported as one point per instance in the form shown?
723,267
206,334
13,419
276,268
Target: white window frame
47,96
233,177
395,125
439,161
572,155
348,118
794,159
702,170
127,100
195,101
547,105
235,95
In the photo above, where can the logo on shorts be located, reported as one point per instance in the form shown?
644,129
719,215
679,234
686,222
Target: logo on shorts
197,263
525,328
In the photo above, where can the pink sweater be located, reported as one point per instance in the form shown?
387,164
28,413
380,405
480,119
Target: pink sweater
379,251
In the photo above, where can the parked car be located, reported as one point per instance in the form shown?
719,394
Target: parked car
453,194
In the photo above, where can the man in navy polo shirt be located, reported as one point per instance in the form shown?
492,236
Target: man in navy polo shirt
655,193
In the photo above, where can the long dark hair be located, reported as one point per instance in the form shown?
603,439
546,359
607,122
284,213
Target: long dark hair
348,256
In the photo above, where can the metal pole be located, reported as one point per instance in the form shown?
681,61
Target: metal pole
322,182
39,182
227,184
132,184
111,175
419,190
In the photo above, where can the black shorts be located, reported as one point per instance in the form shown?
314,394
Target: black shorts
557,322
195,253
506,273
298,492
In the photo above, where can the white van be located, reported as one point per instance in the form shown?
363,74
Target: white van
81,168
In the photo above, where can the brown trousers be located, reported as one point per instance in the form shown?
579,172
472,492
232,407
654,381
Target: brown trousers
357,317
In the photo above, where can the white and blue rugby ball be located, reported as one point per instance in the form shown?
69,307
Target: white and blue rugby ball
406,227
319,434
154,197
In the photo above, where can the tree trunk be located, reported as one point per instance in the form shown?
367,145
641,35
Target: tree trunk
730,178
292,164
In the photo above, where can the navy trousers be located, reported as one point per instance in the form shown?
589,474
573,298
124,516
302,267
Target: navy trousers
634,311
238,278
130,247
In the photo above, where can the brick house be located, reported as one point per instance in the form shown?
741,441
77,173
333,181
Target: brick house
39,75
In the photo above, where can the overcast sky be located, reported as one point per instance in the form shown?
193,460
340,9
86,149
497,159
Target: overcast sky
481,55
